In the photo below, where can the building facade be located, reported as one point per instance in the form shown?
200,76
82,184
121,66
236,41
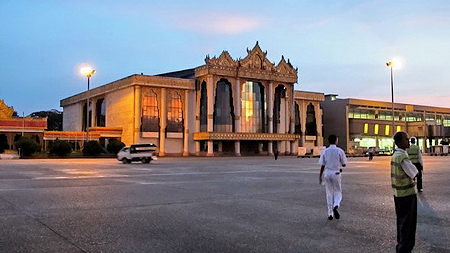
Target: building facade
361,124
225,106
12,128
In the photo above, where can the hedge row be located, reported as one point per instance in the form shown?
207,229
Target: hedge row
28,146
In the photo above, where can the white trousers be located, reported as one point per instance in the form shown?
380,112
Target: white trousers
333,188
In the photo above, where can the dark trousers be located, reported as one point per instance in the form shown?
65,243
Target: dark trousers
419,176
406,210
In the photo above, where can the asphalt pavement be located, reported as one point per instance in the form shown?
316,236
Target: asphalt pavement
215,204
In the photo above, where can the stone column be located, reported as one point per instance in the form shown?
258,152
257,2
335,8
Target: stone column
287,121
237,115
137,113
269,97
162,123
186,123
210,90
197,118
319,125
93,112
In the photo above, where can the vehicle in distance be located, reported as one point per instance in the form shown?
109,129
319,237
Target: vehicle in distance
137,152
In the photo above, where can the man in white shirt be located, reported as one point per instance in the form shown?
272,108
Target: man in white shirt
331,161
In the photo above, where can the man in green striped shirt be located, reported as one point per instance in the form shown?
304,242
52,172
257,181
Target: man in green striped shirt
405,198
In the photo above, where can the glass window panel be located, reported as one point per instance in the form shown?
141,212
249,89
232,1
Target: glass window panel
223,108
150,112
175,113
387,130
203,108
366,128
253,108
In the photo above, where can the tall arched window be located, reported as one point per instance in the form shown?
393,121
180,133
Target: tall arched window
150,112
253,108
84,116
203,108
311,128
100,112
280,94
174,113
298,126
223,108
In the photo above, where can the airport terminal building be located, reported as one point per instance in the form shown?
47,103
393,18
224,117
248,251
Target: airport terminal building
226,106
361,124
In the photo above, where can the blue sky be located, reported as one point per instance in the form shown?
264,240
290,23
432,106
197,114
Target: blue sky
339,47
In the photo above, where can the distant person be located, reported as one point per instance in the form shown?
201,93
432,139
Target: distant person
331,160
415,155
371,151
405,197
276,154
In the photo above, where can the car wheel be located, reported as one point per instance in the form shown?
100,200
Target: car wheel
124,160
145,160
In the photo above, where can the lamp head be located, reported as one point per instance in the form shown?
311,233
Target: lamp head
87,71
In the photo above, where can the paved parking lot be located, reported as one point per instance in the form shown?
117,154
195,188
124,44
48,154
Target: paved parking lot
232,204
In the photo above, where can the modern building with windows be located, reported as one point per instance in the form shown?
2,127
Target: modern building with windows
361,124
245,106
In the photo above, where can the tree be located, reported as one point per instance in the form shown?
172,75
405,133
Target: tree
27,146
92,148
61,148
54,119
114,146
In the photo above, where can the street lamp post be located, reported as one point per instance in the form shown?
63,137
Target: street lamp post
88,72
390,64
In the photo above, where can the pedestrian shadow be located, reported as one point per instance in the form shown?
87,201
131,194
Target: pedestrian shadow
431,228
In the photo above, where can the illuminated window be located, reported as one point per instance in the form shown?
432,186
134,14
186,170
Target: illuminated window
399,128
387,130
366,128
150,112
253,108
174,113
375,129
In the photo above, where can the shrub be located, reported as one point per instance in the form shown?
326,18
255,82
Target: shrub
114,146
27,146
92,148
61,148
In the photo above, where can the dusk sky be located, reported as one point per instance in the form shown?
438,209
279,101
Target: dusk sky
339,47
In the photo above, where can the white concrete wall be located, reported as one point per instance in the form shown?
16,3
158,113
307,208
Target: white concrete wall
72,117
174,146
120,112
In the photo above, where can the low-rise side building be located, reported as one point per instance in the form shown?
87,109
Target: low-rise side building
361,124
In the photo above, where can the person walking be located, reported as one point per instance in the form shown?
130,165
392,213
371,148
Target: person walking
371,152
331,160
415,155
405,197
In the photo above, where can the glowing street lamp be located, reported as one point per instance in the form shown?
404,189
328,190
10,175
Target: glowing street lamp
391,64
88,72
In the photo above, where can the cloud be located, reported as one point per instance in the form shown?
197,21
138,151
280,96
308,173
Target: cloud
218,23
429,21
